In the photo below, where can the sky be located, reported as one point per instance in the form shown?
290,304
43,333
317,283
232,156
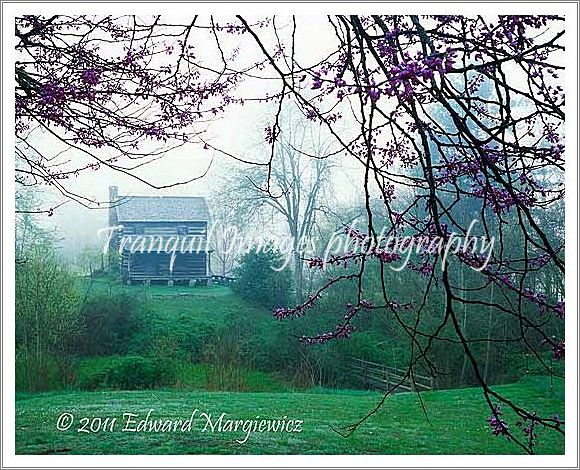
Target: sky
238,131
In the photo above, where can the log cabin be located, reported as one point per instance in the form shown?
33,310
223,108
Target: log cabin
148,228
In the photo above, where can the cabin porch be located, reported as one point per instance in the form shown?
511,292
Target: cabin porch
192,268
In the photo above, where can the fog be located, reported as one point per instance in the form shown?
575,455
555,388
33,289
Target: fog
239,131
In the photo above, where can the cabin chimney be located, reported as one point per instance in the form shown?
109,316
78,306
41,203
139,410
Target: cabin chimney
113,198
113,193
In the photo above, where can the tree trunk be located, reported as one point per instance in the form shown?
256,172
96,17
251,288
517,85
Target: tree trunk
489,328
298,262
464,331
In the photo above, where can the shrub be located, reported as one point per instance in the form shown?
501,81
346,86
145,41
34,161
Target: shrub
180,343
125,373
47,320
257,280
114,324
51,373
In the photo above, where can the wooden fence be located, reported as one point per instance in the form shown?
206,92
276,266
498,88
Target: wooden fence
383,377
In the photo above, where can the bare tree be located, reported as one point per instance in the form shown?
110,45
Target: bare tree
293,186
228,228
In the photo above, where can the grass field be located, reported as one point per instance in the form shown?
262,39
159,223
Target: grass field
457,422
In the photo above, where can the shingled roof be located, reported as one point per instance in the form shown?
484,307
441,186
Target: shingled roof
161,209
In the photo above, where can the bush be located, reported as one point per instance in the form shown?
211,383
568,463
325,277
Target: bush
115,324
125,373
258,282
51,373
47,320
179,343
520,365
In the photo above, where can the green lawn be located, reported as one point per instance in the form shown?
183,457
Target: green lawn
457,417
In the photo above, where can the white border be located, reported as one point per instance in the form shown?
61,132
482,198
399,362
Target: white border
8,444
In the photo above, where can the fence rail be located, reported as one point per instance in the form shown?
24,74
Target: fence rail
383,377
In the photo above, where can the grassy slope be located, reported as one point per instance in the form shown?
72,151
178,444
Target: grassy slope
458,420
180,308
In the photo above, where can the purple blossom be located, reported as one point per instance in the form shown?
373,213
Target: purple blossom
281,312
316,262
353,233
426,269
311,115
394,305
536,297
559,309
558,151
412,72
374,93
91,77
386,47
270,134
501,199
52,94
558,351
498,425
366,304
540,261
341,331
155,131
530,429
386,256
317,82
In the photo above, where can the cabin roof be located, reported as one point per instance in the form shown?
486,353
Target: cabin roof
161,209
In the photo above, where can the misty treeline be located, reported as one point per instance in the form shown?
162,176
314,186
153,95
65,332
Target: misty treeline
297,200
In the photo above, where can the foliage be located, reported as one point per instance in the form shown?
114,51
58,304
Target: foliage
114,324
125,373
258,280
48,319
51,373
228,378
